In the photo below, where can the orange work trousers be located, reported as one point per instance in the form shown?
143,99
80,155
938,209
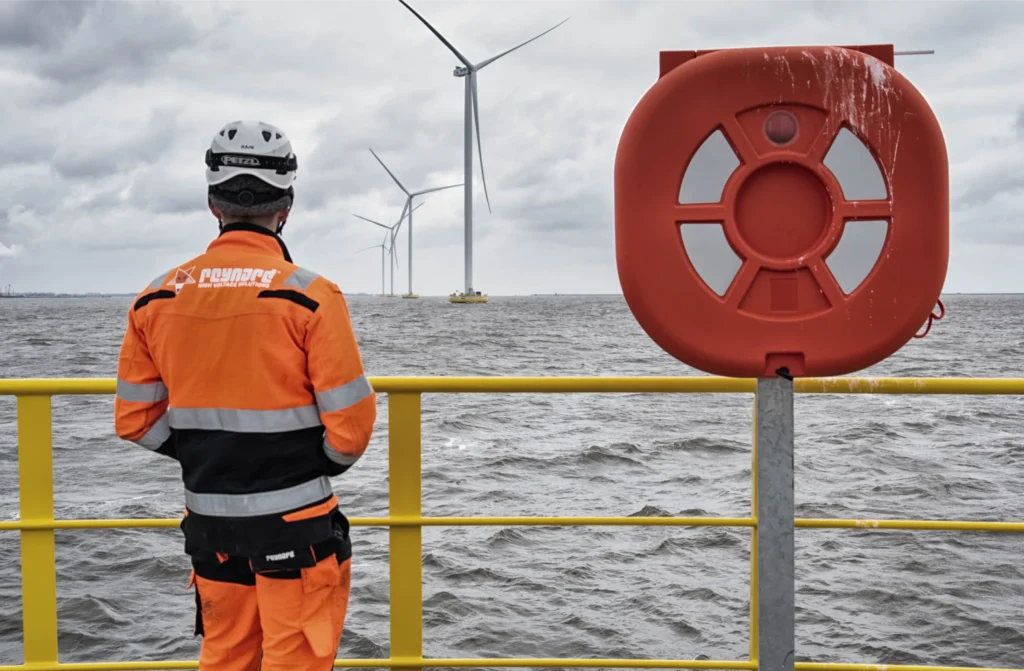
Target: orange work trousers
270,621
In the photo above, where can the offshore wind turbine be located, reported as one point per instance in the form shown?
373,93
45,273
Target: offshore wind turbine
383,247
469,71
393,233
409,195
391,251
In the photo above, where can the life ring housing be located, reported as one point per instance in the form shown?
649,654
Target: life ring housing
766,260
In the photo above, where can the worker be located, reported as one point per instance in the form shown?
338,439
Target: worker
244,368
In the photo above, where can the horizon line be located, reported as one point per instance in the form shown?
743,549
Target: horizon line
118,294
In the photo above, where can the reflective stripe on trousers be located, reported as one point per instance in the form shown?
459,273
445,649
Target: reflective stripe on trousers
259,503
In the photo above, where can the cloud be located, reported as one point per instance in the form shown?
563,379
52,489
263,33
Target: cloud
30,24
106,150
9,252
108,109
81,45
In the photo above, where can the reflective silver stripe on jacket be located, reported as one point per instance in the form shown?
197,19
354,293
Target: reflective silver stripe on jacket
300,279
344,396
158,282
157,435
141,393
260,503
338,457
245,421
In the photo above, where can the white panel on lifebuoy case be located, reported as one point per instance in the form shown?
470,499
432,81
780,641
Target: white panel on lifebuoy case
857,252
855,168
711,255
708,171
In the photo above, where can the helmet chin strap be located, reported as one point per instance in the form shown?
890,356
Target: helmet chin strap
291,200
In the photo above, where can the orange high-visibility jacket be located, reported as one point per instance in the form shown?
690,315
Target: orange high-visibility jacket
244,367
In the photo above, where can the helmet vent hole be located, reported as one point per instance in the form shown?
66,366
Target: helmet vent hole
222,133
266,136
278,137
231,133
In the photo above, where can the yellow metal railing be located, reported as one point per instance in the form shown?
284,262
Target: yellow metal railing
405,521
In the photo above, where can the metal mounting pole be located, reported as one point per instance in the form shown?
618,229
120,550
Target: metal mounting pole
775,525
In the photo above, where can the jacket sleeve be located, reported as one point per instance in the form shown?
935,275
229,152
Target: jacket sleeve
140,406
344,397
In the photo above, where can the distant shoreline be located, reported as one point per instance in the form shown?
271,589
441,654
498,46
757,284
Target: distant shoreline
92,295
559,295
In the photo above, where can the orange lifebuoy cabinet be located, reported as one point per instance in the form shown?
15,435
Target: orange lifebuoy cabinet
745,244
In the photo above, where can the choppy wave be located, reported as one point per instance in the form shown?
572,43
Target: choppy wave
862,596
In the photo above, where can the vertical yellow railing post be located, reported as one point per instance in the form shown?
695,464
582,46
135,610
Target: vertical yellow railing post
753,541
38,556
406,542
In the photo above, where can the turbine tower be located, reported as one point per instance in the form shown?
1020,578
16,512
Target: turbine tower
469,70
409,195
383,248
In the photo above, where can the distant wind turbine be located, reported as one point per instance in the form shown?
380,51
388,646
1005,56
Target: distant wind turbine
469,70
392,233
383,248
409,195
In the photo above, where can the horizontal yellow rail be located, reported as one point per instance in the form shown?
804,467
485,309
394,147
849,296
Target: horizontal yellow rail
918,525
568,385
406,521
415,663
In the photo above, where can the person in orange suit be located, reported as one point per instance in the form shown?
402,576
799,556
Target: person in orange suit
244,368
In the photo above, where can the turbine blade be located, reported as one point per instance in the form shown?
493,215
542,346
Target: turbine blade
400,186
479,147
483,64
365,248
439,188
405,208
419,206
377,223
465,61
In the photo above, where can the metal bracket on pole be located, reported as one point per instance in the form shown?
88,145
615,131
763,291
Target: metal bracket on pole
775,524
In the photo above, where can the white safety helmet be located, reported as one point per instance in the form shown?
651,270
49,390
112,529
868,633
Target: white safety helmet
251,148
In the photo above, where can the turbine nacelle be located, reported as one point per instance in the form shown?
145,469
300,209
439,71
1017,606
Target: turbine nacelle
461,71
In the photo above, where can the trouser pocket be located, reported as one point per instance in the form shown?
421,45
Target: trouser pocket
320,585
302,616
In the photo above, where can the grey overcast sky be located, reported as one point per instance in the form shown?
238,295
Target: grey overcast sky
108,107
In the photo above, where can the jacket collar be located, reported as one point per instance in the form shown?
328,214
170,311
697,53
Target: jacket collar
255,238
